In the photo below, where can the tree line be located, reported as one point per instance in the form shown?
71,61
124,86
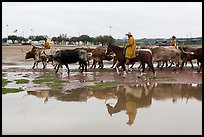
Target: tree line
85,39
103,40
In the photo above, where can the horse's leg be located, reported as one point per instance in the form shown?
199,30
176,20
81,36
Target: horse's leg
124,70
132,65
143,68
117,68
139,66
114,62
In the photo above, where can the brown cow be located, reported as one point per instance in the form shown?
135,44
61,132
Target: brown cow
38,54
189,59
98,55
188,56
166,54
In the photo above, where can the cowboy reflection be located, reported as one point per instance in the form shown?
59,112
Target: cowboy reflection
129,99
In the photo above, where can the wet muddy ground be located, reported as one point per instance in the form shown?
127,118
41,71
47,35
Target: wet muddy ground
13,61
37,101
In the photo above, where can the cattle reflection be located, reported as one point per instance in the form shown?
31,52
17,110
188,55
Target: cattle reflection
128,98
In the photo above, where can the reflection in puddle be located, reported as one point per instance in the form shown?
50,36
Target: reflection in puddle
127,98
74,105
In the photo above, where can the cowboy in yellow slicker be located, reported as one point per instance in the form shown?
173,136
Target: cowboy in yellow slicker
47,43
173,42
130,49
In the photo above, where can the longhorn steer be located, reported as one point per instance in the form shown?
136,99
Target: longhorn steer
65,57
38,54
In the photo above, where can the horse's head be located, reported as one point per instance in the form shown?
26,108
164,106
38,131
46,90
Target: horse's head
109,49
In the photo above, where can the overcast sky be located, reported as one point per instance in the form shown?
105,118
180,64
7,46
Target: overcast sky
142,19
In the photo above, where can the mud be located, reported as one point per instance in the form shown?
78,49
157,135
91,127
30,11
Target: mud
167,75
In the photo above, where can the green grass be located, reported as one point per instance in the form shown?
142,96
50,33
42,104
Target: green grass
165,78
103,85
4,74
41,80
11,90
22,81
57,82
50,81
5,82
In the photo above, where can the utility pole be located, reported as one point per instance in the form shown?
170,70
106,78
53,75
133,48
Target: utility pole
110,29
7,30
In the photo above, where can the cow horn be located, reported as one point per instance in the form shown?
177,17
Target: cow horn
90,53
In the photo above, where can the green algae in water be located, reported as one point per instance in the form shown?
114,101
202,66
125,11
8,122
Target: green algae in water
11,90
5,82
4,74
50,81
165,78
57,82
103,85
22,81
41,80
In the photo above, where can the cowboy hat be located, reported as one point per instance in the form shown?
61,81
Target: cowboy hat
173,37
129,33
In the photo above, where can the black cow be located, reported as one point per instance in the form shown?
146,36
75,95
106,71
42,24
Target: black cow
65,57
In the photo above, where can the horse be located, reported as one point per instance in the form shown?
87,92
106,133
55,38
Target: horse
142,55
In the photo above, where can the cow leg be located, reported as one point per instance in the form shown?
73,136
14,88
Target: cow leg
67,68
191,63
152,68
162,65
85,65
158,64
166,63
44,64
182,64
177,65
197,63
143,67
58,65
101,64
200,68
94,62
34,65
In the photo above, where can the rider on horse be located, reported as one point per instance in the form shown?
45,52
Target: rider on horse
130,49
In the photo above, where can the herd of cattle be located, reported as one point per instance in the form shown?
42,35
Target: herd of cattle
178,57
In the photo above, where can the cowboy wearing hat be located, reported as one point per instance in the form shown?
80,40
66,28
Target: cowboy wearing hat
173,41
130,49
